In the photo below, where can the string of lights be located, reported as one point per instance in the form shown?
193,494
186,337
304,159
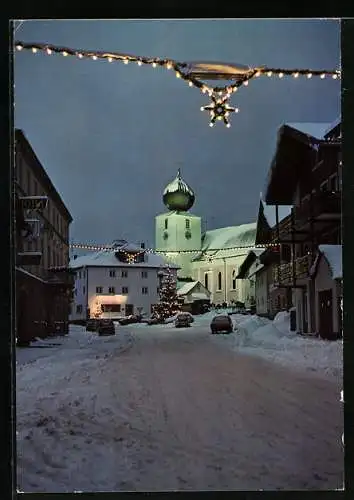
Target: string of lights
110,248
218,108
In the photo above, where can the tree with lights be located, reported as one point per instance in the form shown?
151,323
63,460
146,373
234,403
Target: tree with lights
168,305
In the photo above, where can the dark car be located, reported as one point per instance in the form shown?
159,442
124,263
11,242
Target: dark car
221,323
92,324
183,320
106,327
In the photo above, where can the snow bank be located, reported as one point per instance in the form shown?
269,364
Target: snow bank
274,341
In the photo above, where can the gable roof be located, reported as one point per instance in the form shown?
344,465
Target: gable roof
250,258
187,288
333,255
314,129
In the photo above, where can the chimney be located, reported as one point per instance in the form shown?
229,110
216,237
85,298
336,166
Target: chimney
142,245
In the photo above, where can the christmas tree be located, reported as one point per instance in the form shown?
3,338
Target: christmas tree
168,305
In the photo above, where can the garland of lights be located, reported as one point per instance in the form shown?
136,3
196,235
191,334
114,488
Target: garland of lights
219,109
110,248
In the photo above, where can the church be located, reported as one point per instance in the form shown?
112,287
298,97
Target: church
211,257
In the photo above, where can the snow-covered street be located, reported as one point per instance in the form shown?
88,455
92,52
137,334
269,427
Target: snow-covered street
174,409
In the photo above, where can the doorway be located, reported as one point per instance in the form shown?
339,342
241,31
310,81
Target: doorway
325,300
129,309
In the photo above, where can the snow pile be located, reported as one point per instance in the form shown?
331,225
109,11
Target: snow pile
274,341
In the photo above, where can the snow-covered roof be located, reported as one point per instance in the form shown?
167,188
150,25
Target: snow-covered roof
107,258
333,255
315,129
333,125
269,213
186,288
232,236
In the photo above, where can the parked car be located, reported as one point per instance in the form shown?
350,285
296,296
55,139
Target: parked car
92,324
106,327
128,320
221,323
183,320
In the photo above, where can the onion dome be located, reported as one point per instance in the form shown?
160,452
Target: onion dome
178,195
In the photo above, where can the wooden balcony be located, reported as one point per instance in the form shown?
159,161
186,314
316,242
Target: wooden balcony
324,206
283,274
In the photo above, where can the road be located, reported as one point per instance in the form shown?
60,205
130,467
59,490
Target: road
180,411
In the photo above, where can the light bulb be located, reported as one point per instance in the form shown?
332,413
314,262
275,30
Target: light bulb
245,83
169,65
154,65
80,56
219,117
190,84
49,52
178,75
126,61
19,47
109,59
64,53
34,50
258,73
335,77
202,108
211,124
204,90
296,75
236,110
227,114
269,73
234,89
139,62
309,75
281,75
323,76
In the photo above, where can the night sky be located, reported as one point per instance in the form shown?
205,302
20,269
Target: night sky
111,136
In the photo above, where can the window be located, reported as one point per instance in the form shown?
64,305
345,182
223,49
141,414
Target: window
124,274
79,309
111,308
112,273
166,223
206,280
111,289
144,274
144,290
124,290
188,224
234,274
99,289
83,290
219,280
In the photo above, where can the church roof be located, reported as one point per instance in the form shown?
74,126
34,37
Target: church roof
228,241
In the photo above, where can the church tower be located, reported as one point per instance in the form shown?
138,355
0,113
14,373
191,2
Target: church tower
178,230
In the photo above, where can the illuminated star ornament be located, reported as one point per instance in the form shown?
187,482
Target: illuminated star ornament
219,110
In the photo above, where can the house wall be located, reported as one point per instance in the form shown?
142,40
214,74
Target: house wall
324,281
261,292
87,279
199,288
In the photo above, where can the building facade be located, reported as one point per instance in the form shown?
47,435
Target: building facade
212,257
122,282
306,173
43,281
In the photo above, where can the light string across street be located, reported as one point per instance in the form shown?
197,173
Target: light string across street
218,108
